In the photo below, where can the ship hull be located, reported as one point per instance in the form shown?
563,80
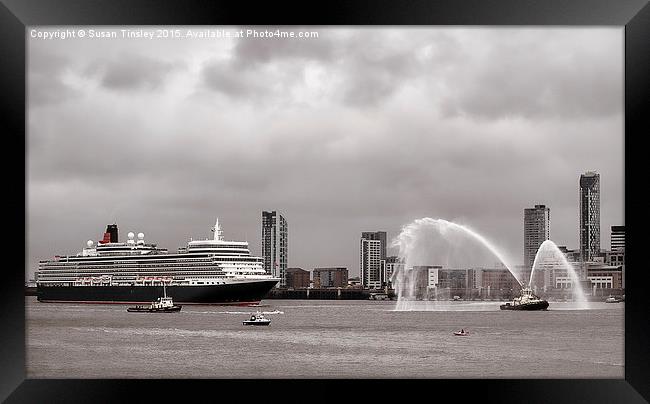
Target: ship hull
236,293
541,305
256,323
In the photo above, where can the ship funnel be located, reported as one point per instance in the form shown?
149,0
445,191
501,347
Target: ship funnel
110,235
112,230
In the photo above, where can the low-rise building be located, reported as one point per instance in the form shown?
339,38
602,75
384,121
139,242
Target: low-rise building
605,276
601,279
355,283
613,258
571,255
497,283
392,266
297,278
335,277
426,280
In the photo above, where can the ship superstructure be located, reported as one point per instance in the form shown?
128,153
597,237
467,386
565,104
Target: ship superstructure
204,271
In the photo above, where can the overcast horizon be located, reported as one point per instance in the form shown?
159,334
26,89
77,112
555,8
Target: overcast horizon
360,129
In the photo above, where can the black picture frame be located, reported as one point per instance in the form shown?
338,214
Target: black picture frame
16,15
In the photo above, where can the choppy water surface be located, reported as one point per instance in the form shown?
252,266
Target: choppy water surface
325,338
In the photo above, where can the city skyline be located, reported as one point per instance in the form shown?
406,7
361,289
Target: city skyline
358,130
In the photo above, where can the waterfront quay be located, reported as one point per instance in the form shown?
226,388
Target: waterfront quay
389,294
331,294
449,294
311,293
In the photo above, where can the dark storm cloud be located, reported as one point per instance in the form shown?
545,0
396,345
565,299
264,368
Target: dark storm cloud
375,68
368,84
246,73
250,52
534,78
93,143
369,68
497,93
481,77
131,72
224,77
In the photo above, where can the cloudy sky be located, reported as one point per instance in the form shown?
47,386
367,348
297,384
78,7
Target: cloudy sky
360,129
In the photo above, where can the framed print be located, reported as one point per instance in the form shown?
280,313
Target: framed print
423,197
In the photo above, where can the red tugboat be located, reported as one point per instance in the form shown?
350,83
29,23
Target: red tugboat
526,301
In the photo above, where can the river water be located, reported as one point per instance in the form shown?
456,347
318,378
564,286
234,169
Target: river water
325,339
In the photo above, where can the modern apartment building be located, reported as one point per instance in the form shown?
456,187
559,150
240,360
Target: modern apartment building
377,235
589,215
275,245
370,263
537,225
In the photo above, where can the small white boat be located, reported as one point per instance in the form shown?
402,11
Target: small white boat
461,333
257,319
612,299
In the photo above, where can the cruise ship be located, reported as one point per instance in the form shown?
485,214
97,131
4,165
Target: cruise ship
209,271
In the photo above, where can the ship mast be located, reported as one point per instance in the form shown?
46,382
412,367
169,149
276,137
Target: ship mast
218,233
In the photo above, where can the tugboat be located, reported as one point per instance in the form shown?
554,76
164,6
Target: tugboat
162,305
526,301
257,319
